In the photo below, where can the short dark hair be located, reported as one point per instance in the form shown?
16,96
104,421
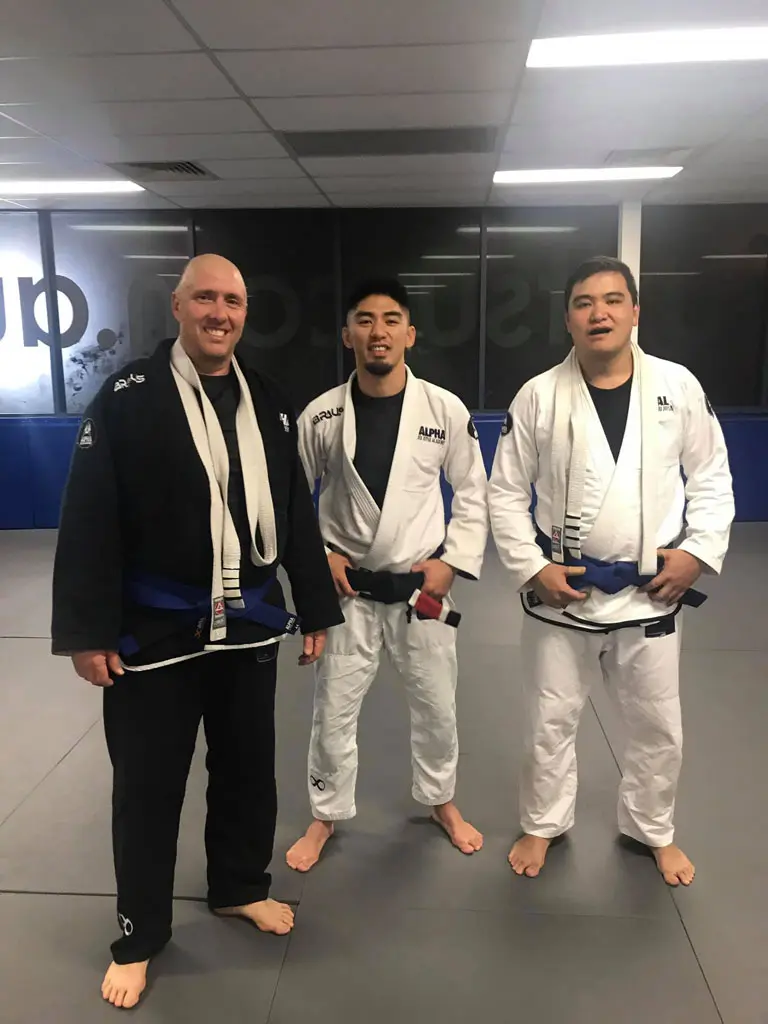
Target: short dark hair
601,265
387,286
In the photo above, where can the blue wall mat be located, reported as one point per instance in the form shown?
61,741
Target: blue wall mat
51,441
16,501
35,454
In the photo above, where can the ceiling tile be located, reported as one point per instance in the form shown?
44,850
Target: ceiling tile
32,150
144,77
595,17
251,201
378,70
582,142
279,168
11,129
174,117
293,24
597,194
700,101
53,27
68,168
420,110
433,197
179,190
245,145
404,182
354,166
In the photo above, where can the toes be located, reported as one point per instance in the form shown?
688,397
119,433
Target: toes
532,871
671,879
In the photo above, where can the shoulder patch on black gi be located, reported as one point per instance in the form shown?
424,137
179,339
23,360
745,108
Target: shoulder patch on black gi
507,425
710,410
86,435
472,429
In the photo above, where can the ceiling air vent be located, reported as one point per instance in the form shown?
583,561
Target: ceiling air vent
165,170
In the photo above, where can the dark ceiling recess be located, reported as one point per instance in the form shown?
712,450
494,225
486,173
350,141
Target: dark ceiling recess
398,142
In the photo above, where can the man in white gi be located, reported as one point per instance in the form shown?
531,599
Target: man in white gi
378,445
615,543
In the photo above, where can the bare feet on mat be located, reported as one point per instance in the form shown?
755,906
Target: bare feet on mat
674,865
267,915
528,854
464,836
124,983
305,853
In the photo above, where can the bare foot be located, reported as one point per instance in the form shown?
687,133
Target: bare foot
674,865
305,853
528,854
464,836
267,915
124,983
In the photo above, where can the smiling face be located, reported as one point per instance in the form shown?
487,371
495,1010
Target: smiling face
379,331
210,305
601,315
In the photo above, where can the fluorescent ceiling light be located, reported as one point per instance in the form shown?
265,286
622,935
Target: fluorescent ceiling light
472,256
67,188
418,287
671,273
737,256
429,273
680,47
148,228
562,175
516,229
185,258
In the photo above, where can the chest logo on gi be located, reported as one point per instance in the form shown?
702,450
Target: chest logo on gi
664,405
327,414
86,437
125,382
286,422
435,435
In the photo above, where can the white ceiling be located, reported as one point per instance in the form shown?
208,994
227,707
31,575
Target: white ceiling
86,83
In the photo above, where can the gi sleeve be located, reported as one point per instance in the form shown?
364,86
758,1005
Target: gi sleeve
87,573
305,559
709,489
467,533
510,491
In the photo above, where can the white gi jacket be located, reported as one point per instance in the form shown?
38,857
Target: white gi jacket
436,433
694,515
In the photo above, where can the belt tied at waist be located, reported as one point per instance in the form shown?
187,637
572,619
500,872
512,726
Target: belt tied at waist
150,591
612,577
401,588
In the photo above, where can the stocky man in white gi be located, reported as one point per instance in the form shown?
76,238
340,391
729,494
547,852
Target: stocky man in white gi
378,445
615,543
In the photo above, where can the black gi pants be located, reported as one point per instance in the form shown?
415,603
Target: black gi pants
151,721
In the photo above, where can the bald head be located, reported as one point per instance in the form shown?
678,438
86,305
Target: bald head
207,265
210,303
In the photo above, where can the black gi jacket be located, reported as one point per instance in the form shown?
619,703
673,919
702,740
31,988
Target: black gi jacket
137,501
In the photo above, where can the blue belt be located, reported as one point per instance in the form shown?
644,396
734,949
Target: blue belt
611,577
195,602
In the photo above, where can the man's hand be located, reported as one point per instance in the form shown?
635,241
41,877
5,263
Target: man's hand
314,645
551,585
338,564
438,577
680,572
95,666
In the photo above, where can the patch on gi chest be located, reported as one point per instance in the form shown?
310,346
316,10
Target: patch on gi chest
433,435
472,429
86,435
507,425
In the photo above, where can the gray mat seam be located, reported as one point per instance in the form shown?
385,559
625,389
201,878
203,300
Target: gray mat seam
49,773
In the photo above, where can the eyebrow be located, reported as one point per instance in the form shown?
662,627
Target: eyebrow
212,291
608,295
365,312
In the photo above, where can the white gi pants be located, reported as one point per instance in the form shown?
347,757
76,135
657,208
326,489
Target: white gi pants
642,674
424,653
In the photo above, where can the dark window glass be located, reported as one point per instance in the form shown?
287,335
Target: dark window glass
704,294
287,260
25,356
531,253
436,255
116,273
